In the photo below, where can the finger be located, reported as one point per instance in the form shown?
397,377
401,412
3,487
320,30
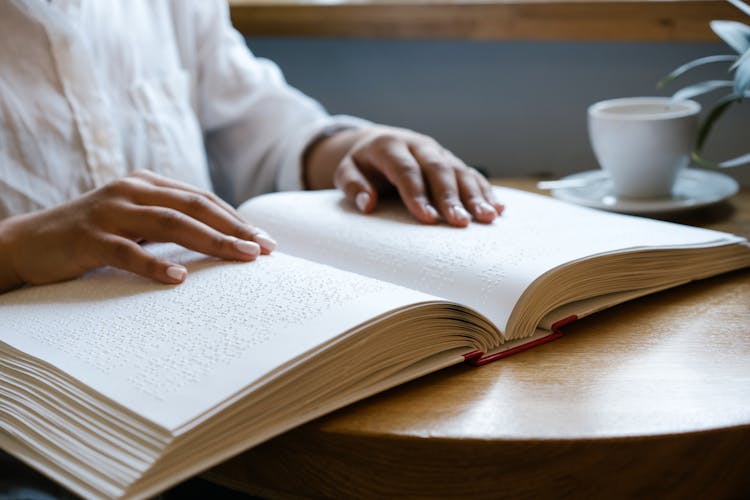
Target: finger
392,158
122,253
473,197
194,194
165,224
358,190
488,192
441,177
160,180
203,209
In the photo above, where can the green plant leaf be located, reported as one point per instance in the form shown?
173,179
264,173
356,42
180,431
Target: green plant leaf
742,74
719,108
735,34
741,5
701,88
694,64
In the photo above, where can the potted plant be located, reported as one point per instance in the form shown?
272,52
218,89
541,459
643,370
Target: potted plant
737,36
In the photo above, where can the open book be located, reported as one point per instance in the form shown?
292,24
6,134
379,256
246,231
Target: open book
117,386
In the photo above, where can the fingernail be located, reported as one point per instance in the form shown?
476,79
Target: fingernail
486,208
458,212
362,200
265,241
177,272
431,211
247,247
496,205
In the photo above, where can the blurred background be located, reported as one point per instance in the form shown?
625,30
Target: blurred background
512,108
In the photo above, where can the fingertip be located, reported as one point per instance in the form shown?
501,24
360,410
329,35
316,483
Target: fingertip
175,274
424,212
363,202
267,244
486,218
431,212
499,207
484,212
458,216
248,250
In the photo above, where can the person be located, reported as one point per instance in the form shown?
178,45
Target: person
118,119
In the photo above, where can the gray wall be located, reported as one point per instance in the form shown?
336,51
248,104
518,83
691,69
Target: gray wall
513,108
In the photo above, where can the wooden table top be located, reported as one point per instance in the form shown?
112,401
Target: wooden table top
617,20
650,397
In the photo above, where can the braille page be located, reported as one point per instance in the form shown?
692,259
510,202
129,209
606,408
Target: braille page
170,353
486,267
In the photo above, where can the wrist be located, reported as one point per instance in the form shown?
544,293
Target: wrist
9,276
325,152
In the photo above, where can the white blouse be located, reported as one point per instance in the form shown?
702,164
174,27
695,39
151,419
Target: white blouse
93,89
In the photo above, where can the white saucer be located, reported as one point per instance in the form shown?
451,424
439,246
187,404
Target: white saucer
695,188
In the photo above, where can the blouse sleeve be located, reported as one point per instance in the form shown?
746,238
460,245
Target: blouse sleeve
256,126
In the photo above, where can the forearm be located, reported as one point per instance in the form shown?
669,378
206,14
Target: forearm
9,279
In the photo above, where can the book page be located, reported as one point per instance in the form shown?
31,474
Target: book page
170,353
486,267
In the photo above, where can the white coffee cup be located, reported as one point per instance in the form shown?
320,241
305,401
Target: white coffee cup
643,142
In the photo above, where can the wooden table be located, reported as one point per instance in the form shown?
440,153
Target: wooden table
619,20
650,398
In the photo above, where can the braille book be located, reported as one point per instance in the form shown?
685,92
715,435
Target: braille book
114,385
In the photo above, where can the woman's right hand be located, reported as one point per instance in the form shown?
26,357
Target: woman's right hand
105,227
